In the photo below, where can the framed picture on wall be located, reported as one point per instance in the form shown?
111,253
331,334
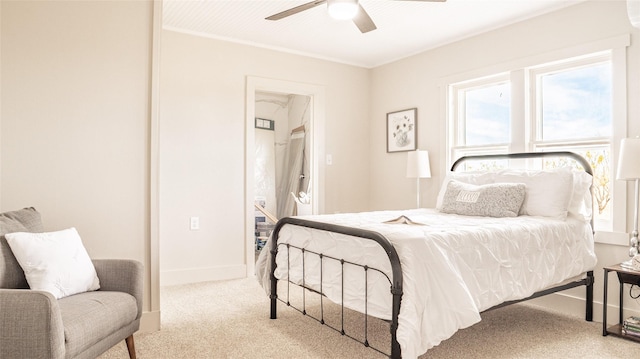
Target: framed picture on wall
401,130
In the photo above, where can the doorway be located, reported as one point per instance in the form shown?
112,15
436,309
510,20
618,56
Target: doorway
276,91
282,153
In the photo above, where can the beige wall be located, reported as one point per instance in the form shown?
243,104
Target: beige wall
202,148
414,82
75,120
76,127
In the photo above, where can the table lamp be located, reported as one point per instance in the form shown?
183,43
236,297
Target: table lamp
418,167
629,170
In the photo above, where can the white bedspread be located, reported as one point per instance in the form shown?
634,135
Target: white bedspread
453,267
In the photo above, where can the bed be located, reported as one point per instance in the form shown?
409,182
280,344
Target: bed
495,238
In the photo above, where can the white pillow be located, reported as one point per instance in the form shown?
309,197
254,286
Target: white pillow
475,178
55,262
581,203
548,191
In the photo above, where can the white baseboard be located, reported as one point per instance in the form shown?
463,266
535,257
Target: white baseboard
575,306
150,322
195,275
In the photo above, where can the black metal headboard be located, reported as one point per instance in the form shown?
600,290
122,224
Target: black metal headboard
525,155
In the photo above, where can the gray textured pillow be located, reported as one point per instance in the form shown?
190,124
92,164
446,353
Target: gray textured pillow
24,220
489,200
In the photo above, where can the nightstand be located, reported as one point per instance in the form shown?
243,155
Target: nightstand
625,275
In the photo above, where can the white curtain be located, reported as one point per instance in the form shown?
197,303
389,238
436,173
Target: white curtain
292,174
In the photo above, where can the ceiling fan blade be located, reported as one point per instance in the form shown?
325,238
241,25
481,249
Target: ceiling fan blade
363,21
295,10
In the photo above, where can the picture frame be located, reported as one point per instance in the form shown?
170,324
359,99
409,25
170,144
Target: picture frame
402,130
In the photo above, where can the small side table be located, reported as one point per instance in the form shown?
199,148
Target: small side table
625,275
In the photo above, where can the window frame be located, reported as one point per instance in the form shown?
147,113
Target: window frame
458,112
523,112
536,121
536,143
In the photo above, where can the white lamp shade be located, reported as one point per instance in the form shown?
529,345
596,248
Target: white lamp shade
342,9
633,11
418,164
629,159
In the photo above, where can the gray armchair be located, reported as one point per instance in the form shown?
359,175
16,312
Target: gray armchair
34,324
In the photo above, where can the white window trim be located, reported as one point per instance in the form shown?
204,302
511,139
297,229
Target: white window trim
618,47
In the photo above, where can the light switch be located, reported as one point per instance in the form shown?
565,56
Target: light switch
195,223
329,160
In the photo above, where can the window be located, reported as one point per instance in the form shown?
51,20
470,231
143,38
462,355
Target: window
482,112
574,96
486,114
572,110
561,105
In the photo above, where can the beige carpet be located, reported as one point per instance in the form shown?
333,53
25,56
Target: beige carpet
230,319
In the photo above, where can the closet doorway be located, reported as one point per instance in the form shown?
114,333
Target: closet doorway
284,145
282,155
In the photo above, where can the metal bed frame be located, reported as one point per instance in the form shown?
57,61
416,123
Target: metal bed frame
396,278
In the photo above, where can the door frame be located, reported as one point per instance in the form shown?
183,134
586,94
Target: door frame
317,124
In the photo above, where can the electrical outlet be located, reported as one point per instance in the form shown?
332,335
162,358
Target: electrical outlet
194,223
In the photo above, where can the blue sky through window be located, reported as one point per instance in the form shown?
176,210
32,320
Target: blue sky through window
487,112
577,103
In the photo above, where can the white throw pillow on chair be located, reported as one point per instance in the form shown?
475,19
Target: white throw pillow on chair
56,262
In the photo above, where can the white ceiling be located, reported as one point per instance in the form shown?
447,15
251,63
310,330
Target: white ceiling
404,28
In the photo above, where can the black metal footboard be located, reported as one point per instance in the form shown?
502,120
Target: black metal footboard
587,282
394,260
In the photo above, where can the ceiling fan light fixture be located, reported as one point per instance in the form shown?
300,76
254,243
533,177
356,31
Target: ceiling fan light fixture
342,9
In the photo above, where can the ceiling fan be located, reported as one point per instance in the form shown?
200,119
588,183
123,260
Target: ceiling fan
341,10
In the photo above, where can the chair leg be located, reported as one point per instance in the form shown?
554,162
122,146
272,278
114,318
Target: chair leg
131,347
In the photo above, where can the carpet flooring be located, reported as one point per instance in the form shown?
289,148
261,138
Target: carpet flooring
230,319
